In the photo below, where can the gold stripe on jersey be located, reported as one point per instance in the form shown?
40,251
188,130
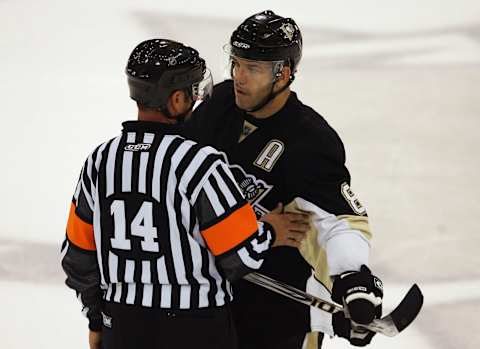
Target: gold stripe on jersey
359,223
247,129
311,250
313,340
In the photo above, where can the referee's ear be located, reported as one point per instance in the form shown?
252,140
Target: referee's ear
177,103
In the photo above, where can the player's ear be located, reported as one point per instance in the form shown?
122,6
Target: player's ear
283,76
286,72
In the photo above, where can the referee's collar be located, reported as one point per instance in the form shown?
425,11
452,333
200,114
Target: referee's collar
151,126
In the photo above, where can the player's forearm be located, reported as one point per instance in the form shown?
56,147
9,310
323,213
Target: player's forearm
345,238
347,251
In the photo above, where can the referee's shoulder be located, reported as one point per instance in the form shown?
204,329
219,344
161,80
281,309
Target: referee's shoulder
100,150
206,156
103,147
208,151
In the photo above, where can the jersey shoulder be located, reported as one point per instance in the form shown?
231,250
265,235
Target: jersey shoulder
223,90
222,99
212,118
316,132
103,147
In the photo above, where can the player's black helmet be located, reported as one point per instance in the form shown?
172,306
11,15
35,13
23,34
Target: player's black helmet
266,36
158,67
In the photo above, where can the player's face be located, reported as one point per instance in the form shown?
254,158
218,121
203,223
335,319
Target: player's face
252,81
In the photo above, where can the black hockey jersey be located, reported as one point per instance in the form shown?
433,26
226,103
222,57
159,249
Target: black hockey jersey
296,158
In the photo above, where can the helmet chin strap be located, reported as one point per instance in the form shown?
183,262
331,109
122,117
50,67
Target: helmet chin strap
269,97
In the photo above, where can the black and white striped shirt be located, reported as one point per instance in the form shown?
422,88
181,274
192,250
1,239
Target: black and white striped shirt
163,220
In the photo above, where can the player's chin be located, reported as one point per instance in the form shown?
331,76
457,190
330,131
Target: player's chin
243,102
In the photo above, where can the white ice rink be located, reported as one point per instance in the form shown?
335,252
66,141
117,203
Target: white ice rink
398,80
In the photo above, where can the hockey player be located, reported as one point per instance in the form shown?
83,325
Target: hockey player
281,150
157,224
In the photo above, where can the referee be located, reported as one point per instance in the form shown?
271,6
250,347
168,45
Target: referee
157,226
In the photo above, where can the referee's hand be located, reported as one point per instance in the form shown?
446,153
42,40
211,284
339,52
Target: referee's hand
95,340
290,228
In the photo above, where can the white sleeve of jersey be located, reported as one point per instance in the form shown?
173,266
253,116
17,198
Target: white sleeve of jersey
346,248
346,252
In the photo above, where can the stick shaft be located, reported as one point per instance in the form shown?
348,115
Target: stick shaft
293,293
385,325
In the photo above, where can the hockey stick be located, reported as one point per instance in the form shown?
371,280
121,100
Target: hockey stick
390,325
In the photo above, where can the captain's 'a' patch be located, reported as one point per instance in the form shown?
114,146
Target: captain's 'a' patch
352,199
270,155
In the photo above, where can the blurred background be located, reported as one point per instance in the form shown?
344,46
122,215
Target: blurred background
399,81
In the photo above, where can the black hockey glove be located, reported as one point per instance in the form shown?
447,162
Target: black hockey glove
361,294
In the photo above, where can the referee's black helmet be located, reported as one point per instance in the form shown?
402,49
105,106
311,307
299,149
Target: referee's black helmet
158,67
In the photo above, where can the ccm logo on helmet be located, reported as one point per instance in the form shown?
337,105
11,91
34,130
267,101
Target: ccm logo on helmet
137,147
241,45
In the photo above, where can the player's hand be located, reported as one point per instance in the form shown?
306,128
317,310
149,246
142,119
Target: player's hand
95,340
290,228
361,294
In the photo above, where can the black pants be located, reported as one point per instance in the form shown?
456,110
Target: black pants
259,342
146,328
278,341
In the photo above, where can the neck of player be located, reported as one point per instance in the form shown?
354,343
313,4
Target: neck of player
272,106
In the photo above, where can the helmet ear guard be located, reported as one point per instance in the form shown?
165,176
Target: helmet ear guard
277,69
